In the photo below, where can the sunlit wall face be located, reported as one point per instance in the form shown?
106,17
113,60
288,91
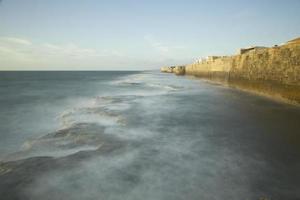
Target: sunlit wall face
131,34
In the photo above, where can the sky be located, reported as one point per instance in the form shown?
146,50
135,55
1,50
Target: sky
136,34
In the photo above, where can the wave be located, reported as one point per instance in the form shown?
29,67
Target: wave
105,110
83,125
63,142
132,80
145,84
165,87
82,128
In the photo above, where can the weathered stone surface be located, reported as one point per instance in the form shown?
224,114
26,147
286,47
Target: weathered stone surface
179,70
167,69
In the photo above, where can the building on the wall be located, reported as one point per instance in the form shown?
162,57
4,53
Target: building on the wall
199,60
212,58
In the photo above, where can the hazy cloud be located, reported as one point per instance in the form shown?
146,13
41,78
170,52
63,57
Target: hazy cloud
14,41
168,54
163,49
156,45
19,53
22,54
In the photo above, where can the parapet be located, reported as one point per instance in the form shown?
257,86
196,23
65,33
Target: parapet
248,49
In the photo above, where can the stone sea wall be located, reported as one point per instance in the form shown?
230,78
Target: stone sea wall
273,72
178,70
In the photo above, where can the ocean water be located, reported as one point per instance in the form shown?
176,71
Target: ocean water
142,135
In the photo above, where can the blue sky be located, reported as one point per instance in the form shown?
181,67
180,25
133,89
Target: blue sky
136,34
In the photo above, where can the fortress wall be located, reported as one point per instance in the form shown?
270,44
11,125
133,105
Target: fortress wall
274,72
217,70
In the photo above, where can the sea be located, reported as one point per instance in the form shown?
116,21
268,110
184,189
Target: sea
133,135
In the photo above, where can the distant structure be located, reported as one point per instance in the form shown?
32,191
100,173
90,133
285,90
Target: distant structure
212,58
167,69
199,60
178,70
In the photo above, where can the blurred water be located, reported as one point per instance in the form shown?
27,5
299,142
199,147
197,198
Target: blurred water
142,135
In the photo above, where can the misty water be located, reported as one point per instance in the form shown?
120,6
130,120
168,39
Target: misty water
142,135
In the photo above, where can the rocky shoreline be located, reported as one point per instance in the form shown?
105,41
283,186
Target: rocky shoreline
269,71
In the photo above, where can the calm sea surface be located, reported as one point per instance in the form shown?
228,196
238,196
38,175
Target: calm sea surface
142,135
